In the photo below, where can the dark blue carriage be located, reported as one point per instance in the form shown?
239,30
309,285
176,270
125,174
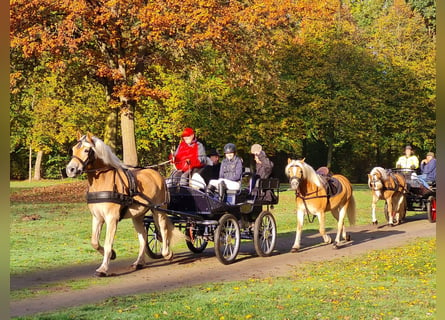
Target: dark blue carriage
204,217
419,198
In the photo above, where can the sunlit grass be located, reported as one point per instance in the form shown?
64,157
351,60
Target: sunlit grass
396,283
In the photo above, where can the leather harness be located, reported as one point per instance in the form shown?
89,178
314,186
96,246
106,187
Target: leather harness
123,199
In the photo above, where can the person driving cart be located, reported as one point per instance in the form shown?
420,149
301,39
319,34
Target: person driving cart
230,173
408,160
189,156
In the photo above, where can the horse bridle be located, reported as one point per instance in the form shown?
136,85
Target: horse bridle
295,177
89,159
374,180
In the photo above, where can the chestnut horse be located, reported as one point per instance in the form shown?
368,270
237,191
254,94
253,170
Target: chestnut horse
312,198
111,199
390,187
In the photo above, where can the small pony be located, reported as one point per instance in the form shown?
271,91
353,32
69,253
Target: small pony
116,192
391,187
312,197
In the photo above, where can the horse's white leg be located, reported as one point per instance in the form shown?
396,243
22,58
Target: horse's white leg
322,220
109,253
165,228
341,230
138,223
300,220
373,206
97,223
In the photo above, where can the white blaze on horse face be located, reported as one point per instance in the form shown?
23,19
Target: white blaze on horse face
376,183
294,182
80,156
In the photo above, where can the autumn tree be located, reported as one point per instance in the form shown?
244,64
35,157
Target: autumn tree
118,42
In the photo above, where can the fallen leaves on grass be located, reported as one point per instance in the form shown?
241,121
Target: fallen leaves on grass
61,193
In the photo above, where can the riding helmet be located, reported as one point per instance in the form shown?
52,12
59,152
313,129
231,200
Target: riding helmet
229,148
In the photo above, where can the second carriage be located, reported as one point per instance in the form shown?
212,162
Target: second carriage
418,197
206,217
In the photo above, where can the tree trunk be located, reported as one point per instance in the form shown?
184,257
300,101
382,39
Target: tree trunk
110,135
30,164
38,165
128,138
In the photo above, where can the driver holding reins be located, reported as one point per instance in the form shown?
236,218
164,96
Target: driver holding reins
189,156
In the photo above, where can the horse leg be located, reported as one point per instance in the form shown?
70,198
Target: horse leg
108,251
166,229
97,224
390,211
321,220
300,220
341,230
373,206
138,223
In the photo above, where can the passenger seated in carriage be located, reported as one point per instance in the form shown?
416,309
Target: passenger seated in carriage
263,169
188,157
210,171
230,173
428,169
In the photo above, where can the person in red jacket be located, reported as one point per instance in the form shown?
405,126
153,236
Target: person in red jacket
189,156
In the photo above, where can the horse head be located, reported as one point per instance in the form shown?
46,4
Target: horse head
83,155
375,178
295,172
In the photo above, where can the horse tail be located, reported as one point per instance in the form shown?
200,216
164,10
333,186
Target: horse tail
350,211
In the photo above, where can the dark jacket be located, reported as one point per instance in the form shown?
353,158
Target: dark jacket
264,169
231,169
429,169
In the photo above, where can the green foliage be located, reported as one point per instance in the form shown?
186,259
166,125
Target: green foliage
354,80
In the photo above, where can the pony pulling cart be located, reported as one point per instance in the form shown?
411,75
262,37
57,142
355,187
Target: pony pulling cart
117,192
402,192
418,198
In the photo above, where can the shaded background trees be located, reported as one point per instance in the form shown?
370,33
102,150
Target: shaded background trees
343,83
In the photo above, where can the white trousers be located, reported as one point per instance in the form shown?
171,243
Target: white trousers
231,185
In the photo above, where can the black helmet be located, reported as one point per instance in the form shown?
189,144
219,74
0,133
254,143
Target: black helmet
229,148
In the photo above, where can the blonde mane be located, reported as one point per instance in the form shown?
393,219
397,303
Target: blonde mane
308,172
381,171
104,153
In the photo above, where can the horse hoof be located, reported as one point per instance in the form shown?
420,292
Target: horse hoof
100,274
293,250
375,223
335,245
169,257
137,266
113,255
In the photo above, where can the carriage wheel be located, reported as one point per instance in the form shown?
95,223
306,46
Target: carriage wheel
431,209
227,239
264,234
154,241
197,243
